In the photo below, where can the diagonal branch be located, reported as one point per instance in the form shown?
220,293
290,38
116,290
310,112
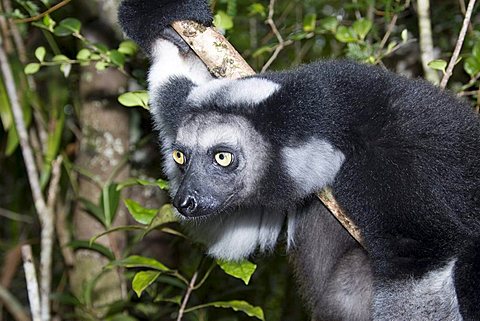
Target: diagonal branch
458,46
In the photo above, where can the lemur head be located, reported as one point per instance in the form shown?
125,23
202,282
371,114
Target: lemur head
219,160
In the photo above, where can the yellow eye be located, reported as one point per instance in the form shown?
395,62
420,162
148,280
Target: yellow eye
224,159
178,157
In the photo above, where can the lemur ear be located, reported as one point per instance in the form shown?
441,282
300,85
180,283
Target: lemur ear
144,21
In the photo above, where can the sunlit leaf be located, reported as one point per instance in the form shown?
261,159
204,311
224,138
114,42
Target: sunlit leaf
241,270
362,27
309,22
136,261
32,68
143,280
438,64
128,48
134,99
67,27
40,53
345,34
84,54
141,214
222,20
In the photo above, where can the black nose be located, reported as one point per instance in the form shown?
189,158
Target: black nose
186,206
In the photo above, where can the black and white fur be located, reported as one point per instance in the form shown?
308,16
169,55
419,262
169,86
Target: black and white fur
401,156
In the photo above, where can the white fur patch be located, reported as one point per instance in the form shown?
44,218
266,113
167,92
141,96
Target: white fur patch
237,235
430,298
169,62
312,165
249,91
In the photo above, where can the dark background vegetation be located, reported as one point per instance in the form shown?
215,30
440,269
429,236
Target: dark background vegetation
98,163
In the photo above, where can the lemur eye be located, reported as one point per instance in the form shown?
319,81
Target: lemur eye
224,159
178,157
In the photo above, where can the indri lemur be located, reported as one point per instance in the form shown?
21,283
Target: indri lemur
244,156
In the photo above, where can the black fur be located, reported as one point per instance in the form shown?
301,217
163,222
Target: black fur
144,21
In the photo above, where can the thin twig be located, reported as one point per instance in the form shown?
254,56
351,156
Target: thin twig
12,305
458,46
55,181
43,14
389,31
32,283
426,40
190,288
281,42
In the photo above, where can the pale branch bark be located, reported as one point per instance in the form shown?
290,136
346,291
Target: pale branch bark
12,305
458,46
32,283
206,43
45,214
426,40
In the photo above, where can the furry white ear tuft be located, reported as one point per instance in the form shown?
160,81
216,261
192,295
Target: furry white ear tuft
251,91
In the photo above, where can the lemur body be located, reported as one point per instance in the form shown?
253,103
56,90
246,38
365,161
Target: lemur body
400,155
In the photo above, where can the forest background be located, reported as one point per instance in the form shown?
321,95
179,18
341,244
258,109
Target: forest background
86,228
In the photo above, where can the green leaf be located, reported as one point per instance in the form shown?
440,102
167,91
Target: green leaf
362,27
121,317
222,20
40,53
136,261
345,34
134,99
32,68
257,8
65,69
82,244
476,50
309,22
438,64
67,27
472,66
49,22
128,48
60,58
143,280
109,202
241,270
84,54
141,214
117,58
329,23
262,50
165,215
101,65
237,305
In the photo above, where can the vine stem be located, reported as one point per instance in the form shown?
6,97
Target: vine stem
458,46
190,288
43,14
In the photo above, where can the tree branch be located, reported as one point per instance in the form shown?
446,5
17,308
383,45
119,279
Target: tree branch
45,214
190,288
206,43
13,306
458,46
32,283
426,40
43,14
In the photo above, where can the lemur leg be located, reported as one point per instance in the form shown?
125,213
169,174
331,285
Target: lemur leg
430,298
333,270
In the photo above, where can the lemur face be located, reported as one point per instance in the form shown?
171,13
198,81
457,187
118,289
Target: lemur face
220,160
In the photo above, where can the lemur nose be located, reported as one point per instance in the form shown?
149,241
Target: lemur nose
186,206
